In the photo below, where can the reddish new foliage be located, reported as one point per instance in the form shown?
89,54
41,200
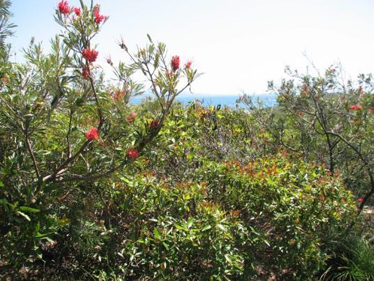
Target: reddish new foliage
92,134
86,73
175,63
132,153
154,124
356,107
63,7
118,95
131,118
90,55
77,11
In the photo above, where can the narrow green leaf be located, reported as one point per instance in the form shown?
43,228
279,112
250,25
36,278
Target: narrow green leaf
29,209
156,234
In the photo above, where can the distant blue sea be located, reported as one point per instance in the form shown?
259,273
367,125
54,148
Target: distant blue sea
267,100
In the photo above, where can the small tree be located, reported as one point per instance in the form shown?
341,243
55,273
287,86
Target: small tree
329,121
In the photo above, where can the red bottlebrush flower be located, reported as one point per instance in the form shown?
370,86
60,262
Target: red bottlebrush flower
131,118
175,63
90,55
86,73
92,134
63,7
77,11
188,64
356,107
98,18
132,153
360,199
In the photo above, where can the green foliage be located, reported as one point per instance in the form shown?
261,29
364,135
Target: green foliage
293,208
176,233
62,126
326,120
353,260
92,187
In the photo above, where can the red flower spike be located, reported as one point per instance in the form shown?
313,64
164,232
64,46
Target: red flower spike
132,153
92,134
90,55
175,61
188,64
63,7
77,11
356,107
98,18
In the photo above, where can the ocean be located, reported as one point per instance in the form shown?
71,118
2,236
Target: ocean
267,100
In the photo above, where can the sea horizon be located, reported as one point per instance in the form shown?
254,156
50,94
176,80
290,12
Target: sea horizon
267,100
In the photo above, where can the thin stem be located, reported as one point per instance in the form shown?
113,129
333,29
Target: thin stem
30,150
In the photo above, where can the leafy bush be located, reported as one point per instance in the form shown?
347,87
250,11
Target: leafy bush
327,120
295,209
62,128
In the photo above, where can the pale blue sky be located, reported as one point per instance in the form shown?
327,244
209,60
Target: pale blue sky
239,44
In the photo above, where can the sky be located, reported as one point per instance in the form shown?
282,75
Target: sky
238,45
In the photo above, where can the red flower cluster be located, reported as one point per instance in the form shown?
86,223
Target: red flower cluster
98,18
63,7
360,200
175,61
356,107
132,153
77,11
90,55
92,134
188,64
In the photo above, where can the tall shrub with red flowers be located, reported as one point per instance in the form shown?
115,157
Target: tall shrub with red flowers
53,110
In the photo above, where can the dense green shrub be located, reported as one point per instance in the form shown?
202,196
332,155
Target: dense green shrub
296,208
63,129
